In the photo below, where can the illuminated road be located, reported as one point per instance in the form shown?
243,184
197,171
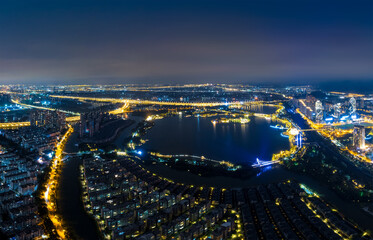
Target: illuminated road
44,108
12,125
147,102
121,110
49,195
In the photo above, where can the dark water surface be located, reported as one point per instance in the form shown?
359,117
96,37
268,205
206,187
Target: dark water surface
69,201
234,142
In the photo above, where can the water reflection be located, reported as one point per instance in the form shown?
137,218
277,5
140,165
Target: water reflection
233,142
263,170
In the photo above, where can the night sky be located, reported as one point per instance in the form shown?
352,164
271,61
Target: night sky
185,41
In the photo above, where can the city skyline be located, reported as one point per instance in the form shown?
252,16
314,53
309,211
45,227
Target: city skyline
180,120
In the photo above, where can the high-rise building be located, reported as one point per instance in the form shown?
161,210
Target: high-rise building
352,107
359,137
337,110
48,119
319,111
90,123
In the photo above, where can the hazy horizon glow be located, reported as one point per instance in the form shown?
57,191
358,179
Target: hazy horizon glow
185,41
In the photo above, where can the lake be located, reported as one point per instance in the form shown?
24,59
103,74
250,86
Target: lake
234,142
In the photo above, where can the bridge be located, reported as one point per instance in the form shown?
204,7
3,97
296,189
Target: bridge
44,108
13,125
149,102
261,163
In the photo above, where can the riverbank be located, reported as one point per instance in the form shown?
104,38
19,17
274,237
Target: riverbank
70,204
109,132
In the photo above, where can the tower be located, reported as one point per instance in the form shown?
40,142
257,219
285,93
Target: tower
319,111
352,108
337,110
359,137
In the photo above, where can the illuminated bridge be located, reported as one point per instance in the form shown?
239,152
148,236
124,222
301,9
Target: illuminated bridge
44,108
261,163
148,102
12,125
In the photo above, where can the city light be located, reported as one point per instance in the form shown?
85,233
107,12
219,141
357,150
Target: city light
49,194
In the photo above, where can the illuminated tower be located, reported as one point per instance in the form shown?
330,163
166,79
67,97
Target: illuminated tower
337,110
352,106
359,137
319,111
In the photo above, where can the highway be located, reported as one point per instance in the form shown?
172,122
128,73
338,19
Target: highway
147,102
11,125
150,102
44,108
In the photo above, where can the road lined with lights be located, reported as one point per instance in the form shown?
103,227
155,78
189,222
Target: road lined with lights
121,110
14,125
147,102
49,195
150,102
43,108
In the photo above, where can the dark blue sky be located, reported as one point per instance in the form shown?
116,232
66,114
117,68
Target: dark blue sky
185,41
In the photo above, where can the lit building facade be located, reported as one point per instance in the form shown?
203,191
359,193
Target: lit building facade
48,119
359,137
90,123
319,111
352,106
337,110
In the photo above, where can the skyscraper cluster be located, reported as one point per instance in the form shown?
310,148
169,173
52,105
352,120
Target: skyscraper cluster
48,119
90,123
